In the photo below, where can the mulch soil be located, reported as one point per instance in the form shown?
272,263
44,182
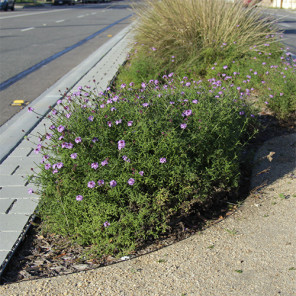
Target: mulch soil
49,255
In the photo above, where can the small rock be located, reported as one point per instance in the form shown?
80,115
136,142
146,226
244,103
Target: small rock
80,267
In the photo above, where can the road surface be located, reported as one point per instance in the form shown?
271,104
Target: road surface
39,46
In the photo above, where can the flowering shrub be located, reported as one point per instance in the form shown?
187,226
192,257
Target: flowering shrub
117,167
268,72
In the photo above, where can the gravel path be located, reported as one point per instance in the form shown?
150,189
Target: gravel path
250,253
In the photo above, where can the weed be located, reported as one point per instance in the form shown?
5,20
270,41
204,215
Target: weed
232,231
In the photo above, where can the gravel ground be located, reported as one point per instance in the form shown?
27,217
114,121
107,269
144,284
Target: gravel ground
250,253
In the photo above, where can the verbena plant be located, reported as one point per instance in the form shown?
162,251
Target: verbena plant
116,168
266,74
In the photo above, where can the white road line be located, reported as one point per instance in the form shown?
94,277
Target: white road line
284,25
80,16
33,13
27,29
60,21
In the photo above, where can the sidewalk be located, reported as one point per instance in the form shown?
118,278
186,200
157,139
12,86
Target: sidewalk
17,155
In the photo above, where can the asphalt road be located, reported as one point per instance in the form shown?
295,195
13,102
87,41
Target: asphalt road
49,42
286,21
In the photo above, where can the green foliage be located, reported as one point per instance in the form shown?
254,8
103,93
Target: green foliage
198,38
181,144
266,72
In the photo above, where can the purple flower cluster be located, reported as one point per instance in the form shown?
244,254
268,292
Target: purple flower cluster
67,145
121,144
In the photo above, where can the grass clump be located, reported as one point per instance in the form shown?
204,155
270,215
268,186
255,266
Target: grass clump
118,167
195,33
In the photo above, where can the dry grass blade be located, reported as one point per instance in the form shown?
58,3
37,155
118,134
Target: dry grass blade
187,28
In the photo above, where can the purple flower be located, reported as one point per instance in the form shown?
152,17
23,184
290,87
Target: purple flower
113,109
125,158
109,123
94,165
30,109
68,115
141,173
129,123
47,166
49,136
101,182
225,67
55,171
187,113
183,125
131,181
30,191
123,85
95,139
121,144
79,197
60,165
145,104
195,101
91,118
105,162
91,184
113,183
162,160
73,155
61,128
118,121
78,140
143,85
106,224
52,127
45,157
241,113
